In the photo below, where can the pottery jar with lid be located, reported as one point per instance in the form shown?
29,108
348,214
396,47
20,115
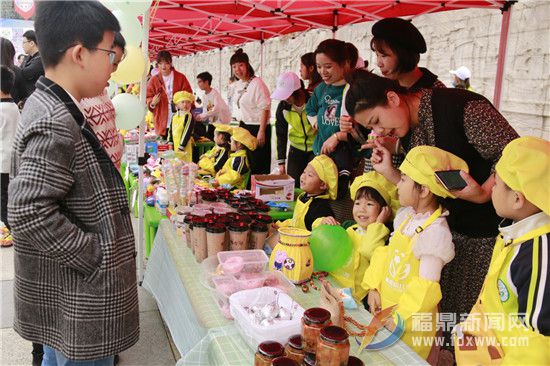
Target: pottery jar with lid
238,235
333,347
313,320
295,349
284,361
215,238
267,352
199,237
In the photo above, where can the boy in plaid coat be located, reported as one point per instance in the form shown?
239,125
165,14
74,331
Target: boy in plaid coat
75,274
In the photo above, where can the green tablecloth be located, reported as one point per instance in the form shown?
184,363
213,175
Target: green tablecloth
222,344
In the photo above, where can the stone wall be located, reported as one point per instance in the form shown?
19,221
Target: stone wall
462,37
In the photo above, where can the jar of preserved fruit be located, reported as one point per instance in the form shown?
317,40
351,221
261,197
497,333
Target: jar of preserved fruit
295,349
284,361
354,361
313,321
333,347
309,359
267,352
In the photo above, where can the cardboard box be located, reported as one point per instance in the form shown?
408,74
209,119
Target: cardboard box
271,187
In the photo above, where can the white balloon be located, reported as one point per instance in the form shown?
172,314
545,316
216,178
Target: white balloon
129,111
130,27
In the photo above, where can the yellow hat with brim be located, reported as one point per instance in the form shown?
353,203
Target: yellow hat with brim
183,96
422,162
377,181
525,167
244,137
327,172
222,127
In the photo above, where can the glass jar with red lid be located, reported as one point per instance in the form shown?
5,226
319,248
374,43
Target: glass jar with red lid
295,349
267,352
284,361
238,235
199,237
215,238
333,347
309,359
354,361
313,320
187,227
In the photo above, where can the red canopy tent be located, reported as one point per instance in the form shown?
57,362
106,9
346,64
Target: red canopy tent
189,26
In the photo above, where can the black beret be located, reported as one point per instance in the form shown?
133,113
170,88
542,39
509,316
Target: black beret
400,32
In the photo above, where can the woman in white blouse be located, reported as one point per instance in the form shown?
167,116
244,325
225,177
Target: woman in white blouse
252,108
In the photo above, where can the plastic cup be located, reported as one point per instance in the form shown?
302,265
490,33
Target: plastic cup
188,225
215,238
199,235
258,234
238,235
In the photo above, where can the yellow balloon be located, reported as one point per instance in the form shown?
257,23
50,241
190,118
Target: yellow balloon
131,69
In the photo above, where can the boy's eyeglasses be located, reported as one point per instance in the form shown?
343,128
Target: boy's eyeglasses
112,54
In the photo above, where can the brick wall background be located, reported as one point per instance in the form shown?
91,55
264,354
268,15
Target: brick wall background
467,37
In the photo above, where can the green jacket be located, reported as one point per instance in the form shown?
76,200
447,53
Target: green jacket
301,134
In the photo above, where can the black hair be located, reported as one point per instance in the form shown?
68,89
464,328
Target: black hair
226,136
119,41
440,200
240,56
308,60
30,35
353,54
205,76
7,79
7,52
335,49
20,55
165,56
407,60
301,90
368,90
62,24
372,194
463,84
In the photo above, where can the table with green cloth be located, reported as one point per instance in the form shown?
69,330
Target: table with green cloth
199,330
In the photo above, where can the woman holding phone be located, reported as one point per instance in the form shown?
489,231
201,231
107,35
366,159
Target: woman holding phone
463,123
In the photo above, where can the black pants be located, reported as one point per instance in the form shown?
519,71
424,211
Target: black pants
343,158
261,157
296,163
4,182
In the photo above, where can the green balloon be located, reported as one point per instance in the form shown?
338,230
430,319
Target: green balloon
331,247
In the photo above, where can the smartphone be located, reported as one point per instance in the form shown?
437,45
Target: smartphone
451,179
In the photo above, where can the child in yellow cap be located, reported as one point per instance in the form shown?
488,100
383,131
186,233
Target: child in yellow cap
319,181
516,291
211,162
237,168
180,132
373,196
406,273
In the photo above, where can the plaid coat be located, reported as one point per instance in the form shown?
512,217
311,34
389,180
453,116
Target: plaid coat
75,273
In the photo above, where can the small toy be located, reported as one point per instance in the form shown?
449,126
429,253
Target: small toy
283,207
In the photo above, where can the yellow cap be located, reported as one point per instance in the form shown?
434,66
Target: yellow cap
327,172
422,162
525,167
223,127
182,96
387,189
244,137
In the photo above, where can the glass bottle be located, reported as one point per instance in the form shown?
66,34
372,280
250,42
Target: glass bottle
267,351
333,347
313,321
295,349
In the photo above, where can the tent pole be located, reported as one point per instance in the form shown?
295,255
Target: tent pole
334,23
262,56
220,69
501,62
141,153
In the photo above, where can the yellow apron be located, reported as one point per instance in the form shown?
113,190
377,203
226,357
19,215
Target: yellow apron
417,298
364,244
490,336
227,175
208,162
298,219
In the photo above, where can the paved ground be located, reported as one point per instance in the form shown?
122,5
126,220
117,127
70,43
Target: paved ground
154,347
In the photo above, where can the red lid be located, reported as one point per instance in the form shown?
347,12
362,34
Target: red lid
188,219
238,226
233,215
354,361
284,361
271,349
199,221
258,226
317,315
212,217
264,218
334,334
224,219
215,227
309,359
295,341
